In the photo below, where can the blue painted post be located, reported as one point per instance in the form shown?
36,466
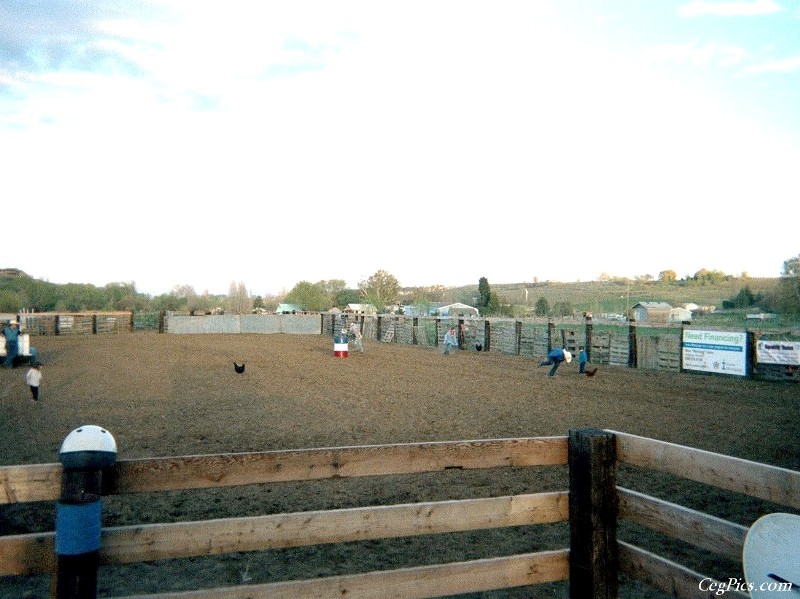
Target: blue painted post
85,453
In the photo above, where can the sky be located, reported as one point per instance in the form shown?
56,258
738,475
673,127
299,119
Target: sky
191,142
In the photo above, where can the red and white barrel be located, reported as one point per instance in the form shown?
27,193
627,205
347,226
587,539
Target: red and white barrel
340,346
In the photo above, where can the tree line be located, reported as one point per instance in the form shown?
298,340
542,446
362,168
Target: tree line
20,292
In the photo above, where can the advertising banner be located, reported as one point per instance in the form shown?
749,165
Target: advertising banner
721,352
778,352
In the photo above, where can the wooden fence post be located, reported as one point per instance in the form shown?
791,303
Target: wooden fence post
633,359
551,331
518,337
94,324
436,322
751,354
85,453
593,559
487,335
588,342
414,325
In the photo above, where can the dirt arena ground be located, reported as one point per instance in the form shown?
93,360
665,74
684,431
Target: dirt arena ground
165,395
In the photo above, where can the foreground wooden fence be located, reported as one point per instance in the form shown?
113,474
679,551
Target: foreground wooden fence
592,505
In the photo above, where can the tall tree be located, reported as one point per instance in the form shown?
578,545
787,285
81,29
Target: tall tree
311,296
789,285
380,289
239,301
347,296
667,276
542,307
484,293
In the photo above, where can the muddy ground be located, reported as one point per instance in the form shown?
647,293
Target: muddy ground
165,395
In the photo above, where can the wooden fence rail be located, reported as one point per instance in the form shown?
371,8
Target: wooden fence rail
41,482
592,506
762,481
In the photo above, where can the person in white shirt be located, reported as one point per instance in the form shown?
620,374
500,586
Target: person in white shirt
34,377
356,335
450,341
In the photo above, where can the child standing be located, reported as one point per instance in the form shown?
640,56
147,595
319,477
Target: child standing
583,358
33,377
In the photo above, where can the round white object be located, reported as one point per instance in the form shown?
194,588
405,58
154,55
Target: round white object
771,556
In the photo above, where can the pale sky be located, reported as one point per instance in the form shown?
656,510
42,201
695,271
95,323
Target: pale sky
190,142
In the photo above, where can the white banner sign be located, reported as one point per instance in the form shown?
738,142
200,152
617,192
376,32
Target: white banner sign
778,352
723,352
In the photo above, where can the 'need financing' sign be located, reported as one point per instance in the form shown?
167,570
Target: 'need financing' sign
722,352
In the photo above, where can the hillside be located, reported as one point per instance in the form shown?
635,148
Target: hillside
612,296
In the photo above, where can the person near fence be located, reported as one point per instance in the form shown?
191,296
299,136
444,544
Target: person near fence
450,340
11,333
357,337
555,358
34,378
583,359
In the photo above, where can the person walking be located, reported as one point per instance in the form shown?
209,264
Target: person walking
555,358
11,333
34,378
450,340
357,337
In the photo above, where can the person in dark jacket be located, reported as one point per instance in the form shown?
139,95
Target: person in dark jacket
555,358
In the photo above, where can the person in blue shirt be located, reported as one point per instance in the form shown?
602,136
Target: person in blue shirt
11,333
555,358
450,340
583,359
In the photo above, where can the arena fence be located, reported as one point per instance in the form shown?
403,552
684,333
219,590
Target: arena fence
75,323
593,504
634,345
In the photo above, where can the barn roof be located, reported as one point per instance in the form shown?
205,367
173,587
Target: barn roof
450,308
653,305
361,308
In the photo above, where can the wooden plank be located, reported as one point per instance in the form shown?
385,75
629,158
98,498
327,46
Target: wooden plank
409,583
41,482
671,578
779,485
27,554
22,484
344,462
694,527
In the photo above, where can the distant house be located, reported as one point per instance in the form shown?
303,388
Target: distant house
657,312
360,309
761,316
418,310
288,308
680,315
457,309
